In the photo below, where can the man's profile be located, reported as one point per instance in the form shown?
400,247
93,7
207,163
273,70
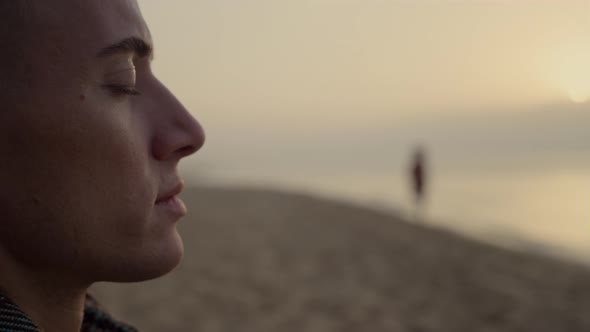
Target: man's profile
90,145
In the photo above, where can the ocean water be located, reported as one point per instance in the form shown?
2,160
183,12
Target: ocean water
541,210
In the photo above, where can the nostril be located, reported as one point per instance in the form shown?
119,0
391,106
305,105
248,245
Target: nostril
187,150
174,147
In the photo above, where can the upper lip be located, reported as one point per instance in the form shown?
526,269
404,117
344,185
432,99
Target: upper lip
170,193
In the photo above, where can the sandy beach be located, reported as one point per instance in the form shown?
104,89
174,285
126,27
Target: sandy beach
264,261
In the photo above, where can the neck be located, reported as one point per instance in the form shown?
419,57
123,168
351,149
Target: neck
52,302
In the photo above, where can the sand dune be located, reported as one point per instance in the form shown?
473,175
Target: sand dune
266,261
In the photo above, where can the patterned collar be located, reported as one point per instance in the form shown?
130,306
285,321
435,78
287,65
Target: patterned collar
13,319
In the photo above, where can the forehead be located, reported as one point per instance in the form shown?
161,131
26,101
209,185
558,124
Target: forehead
88,24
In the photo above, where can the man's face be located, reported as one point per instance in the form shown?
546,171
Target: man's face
90,151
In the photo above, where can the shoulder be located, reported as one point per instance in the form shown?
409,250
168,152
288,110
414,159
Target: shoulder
97,319
12,318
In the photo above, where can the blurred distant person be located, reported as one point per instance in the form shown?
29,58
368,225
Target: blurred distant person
418,178
90,141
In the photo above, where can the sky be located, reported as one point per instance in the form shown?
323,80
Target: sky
329,74
379,55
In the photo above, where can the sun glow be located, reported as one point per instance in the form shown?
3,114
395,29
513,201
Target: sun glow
573,73
579,96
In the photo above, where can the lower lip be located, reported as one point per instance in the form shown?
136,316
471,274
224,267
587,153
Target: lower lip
174,205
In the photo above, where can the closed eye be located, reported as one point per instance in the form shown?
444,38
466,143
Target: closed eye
121,89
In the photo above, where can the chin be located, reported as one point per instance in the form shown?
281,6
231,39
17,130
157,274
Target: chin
150,264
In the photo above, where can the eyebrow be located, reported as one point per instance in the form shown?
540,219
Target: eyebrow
127,45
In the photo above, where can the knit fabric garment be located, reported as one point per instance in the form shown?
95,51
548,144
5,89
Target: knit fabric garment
13,319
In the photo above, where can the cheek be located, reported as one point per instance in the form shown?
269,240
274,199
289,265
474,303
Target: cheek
114,176
88,164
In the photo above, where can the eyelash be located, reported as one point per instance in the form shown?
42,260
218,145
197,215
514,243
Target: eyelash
122,89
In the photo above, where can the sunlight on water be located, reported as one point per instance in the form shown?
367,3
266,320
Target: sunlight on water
545,211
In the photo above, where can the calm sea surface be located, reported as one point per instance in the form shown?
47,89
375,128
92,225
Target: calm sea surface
540,210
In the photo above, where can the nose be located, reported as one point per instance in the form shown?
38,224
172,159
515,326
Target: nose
177,133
